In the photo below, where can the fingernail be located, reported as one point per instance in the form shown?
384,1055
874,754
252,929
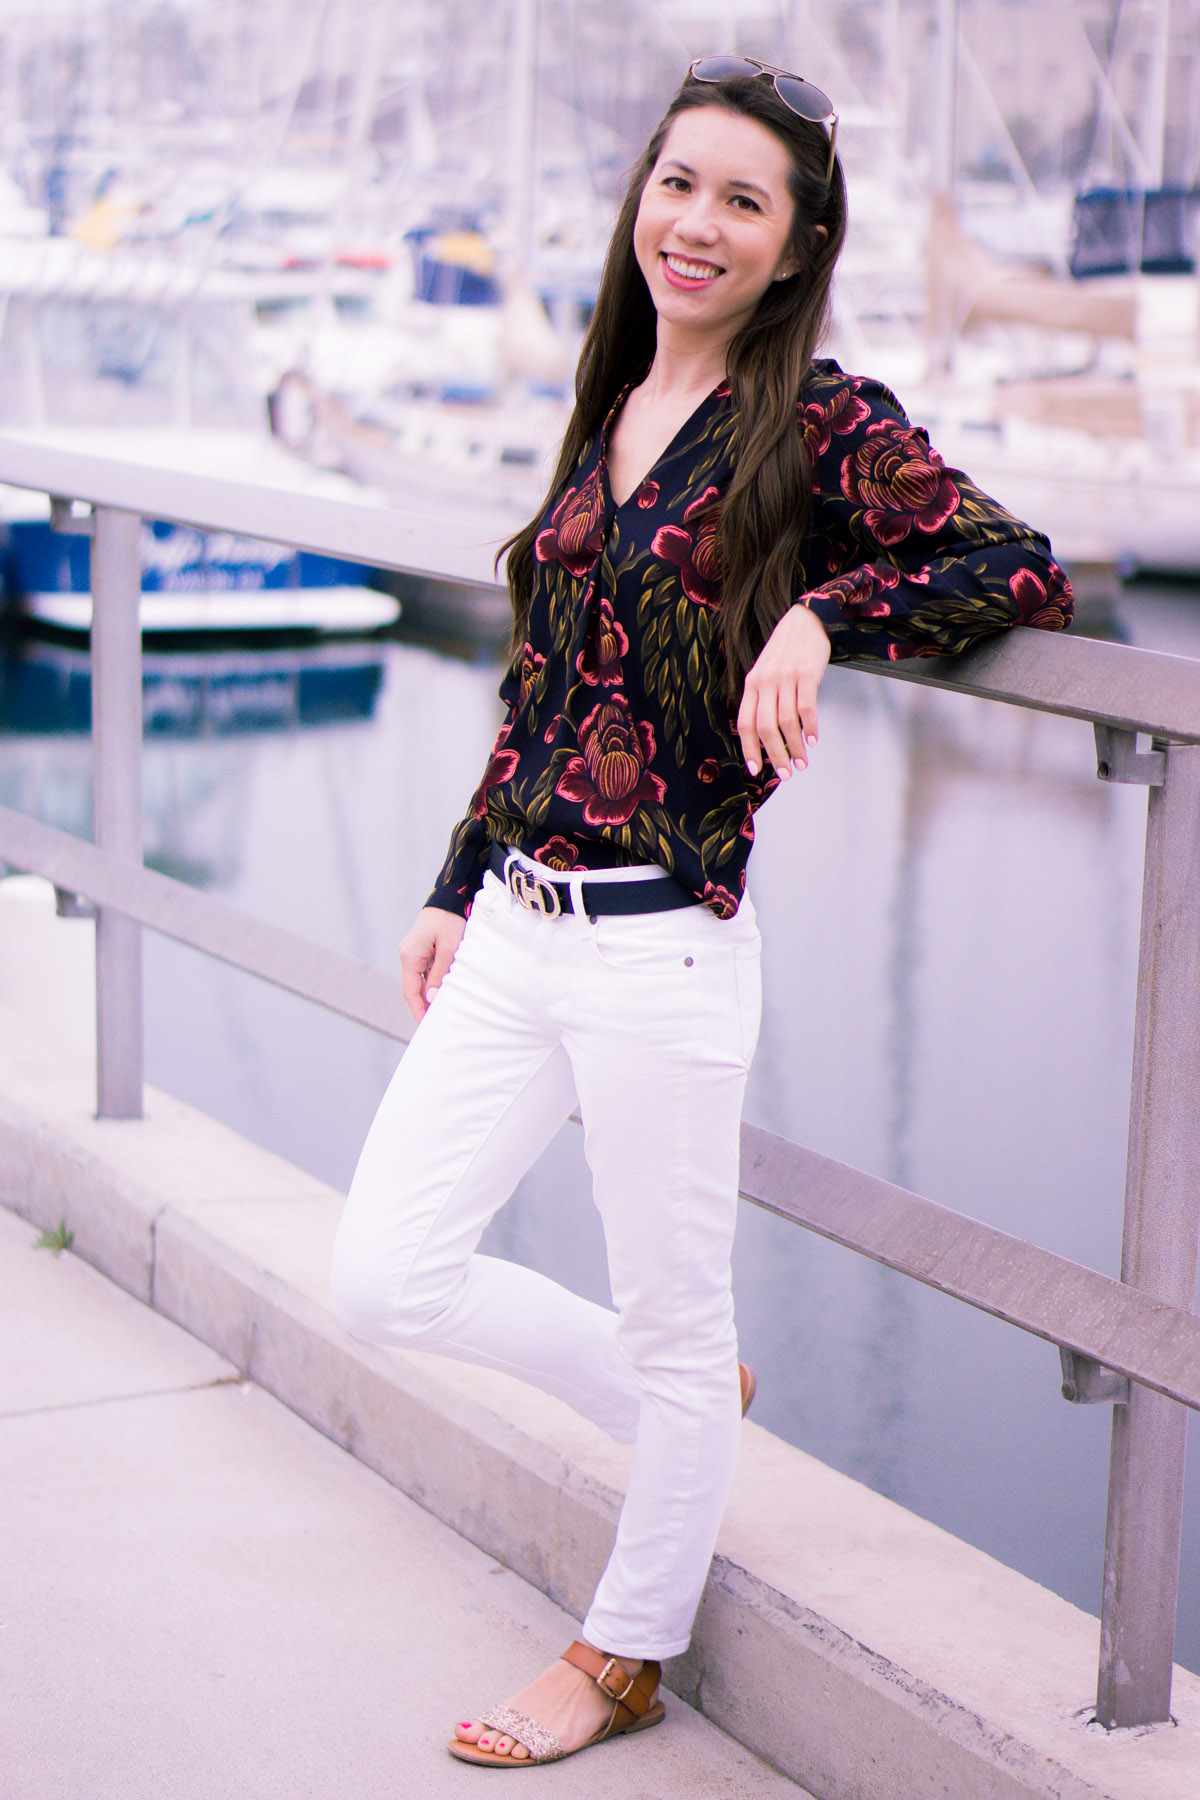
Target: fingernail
784,772
811,738
797,762
753,767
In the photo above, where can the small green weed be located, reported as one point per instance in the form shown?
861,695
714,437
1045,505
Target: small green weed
58,1240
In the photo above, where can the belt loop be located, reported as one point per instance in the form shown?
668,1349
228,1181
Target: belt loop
575,888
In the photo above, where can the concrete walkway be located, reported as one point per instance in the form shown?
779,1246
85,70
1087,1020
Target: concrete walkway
204,1599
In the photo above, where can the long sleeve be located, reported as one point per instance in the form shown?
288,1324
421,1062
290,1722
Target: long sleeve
920,562
461,874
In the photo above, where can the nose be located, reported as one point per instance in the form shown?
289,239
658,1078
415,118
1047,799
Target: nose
696,220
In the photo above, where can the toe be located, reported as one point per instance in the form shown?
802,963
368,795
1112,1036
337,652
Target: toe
503,1746
467,1731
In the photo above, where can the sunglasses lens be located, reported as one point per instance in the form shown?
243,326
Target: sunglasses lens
805,100
722,68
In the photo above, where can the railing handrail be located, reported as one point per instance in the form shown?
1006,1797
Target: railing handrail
428,542
1141,1327
1077,677
1036,1290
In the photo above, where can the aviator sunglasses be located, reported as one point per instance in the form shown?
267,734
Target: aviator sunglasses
798,95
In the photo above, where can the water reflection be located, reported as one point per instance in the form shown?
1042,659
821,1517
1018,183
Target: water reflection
949,904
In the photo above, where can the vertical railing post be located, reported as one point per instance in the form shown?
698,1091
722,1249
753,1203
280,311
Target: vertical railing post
117,801
1162,1221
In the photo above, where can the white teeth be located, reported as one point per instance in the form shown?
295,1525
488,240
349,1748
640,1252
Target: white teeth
691,271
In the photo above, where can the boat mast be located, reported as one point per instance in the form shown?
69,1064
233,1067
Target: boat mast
945,99
1154,148
522,87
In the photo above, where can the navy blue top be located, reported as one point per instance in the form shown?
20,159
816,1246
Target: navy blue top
620,745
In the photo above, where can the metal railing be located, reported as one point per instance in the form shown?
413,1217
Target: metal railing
1134,1343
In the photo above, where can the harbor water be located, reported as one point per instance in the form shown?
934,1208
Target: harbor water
949,903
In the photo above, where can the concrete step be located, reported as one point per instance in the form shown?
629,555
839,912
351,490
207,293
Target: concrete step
862,1651
205,1599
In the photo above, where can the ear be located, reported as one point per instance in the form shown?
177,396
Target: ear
821,237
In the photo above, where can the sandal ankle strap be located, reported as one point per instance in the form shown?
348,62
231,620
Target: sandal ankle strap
633,1692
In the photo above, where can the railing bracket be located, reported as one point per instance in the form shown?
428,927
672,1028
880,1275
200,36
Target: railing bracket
73,906
1088,1383
64,518
1119,759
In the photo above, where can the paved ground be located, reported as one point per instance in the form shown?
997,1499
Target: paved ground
203,1599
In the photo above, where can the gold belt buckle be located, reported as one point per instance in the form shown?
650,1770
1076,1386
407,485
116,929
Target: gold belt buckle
534,892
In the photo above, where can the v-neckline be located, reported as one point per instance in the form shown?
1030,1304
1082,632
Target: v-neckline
614,409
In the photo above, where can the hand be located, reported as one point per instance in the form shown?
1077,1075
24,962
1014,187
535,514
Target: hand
426,953
778,713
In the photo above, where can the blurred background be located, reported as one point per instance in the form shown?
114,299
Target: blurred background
352,248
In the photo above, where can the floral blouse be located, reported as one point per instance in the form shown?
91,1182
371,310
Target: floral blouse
620,745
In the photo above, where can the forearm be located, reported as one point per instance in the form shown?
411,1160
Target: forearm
878,610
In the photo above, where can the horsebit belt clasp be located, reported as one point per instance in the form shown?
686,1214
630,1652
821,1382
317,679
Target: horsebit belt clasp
534,892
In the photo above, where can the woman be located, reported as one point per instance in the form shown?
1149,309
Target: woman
727,514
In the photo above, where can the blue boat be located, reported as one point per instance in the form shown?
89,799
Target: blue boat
195,581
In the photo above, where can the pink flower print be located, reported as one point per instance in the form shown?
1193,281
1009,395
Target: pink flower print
605,644
532,664
859,592
720,900
899,481
698,559
1041,604
840,414
647,495
575,535
499,769
557,853
611,777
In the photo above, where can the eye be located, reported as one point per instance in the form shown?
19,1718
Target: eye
743,203
678,184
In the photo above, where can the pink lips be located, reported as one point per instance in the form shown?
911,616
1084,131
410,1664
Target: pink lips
686,282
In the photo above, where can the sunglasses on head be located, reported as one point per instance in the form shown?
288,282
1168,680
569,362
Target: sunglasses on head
798,95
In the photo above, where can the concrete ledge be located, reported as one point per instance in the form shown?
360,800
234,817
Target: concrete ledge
864,1652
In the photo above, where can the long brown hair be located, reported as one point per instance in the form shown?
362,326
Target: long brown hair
766,510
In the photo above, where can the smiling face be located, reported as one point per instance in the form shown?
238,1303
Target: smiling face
714,226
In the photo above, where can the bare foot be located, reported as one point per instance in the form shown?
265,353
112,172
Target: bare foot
564,1700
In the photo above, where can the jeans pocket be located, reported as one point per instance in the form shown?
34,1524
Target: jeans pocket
646,943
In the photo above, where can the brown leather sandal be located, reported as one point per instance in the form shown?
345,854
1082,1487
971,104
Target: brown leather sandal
636,1707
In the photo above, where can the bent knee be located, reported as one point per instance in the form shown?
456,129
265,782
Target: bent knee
376,1303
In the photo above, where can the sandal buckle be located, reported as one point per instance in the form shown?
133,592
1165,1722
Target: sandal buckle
601,1681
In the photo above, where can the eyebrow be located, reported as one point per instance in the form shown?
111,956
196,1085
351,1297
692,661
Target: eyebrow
751,187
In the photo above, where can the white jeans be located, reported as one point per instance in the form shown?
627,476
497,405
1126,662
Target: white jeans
651,1020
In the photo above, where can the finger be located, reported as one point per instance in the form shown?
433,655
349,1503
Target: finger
443,957
808,719
413,982
772,738
751,747
792,728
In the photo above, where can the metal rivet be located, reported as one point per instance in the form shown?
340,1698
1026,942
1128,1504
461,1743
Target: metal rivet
591,918
687,962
